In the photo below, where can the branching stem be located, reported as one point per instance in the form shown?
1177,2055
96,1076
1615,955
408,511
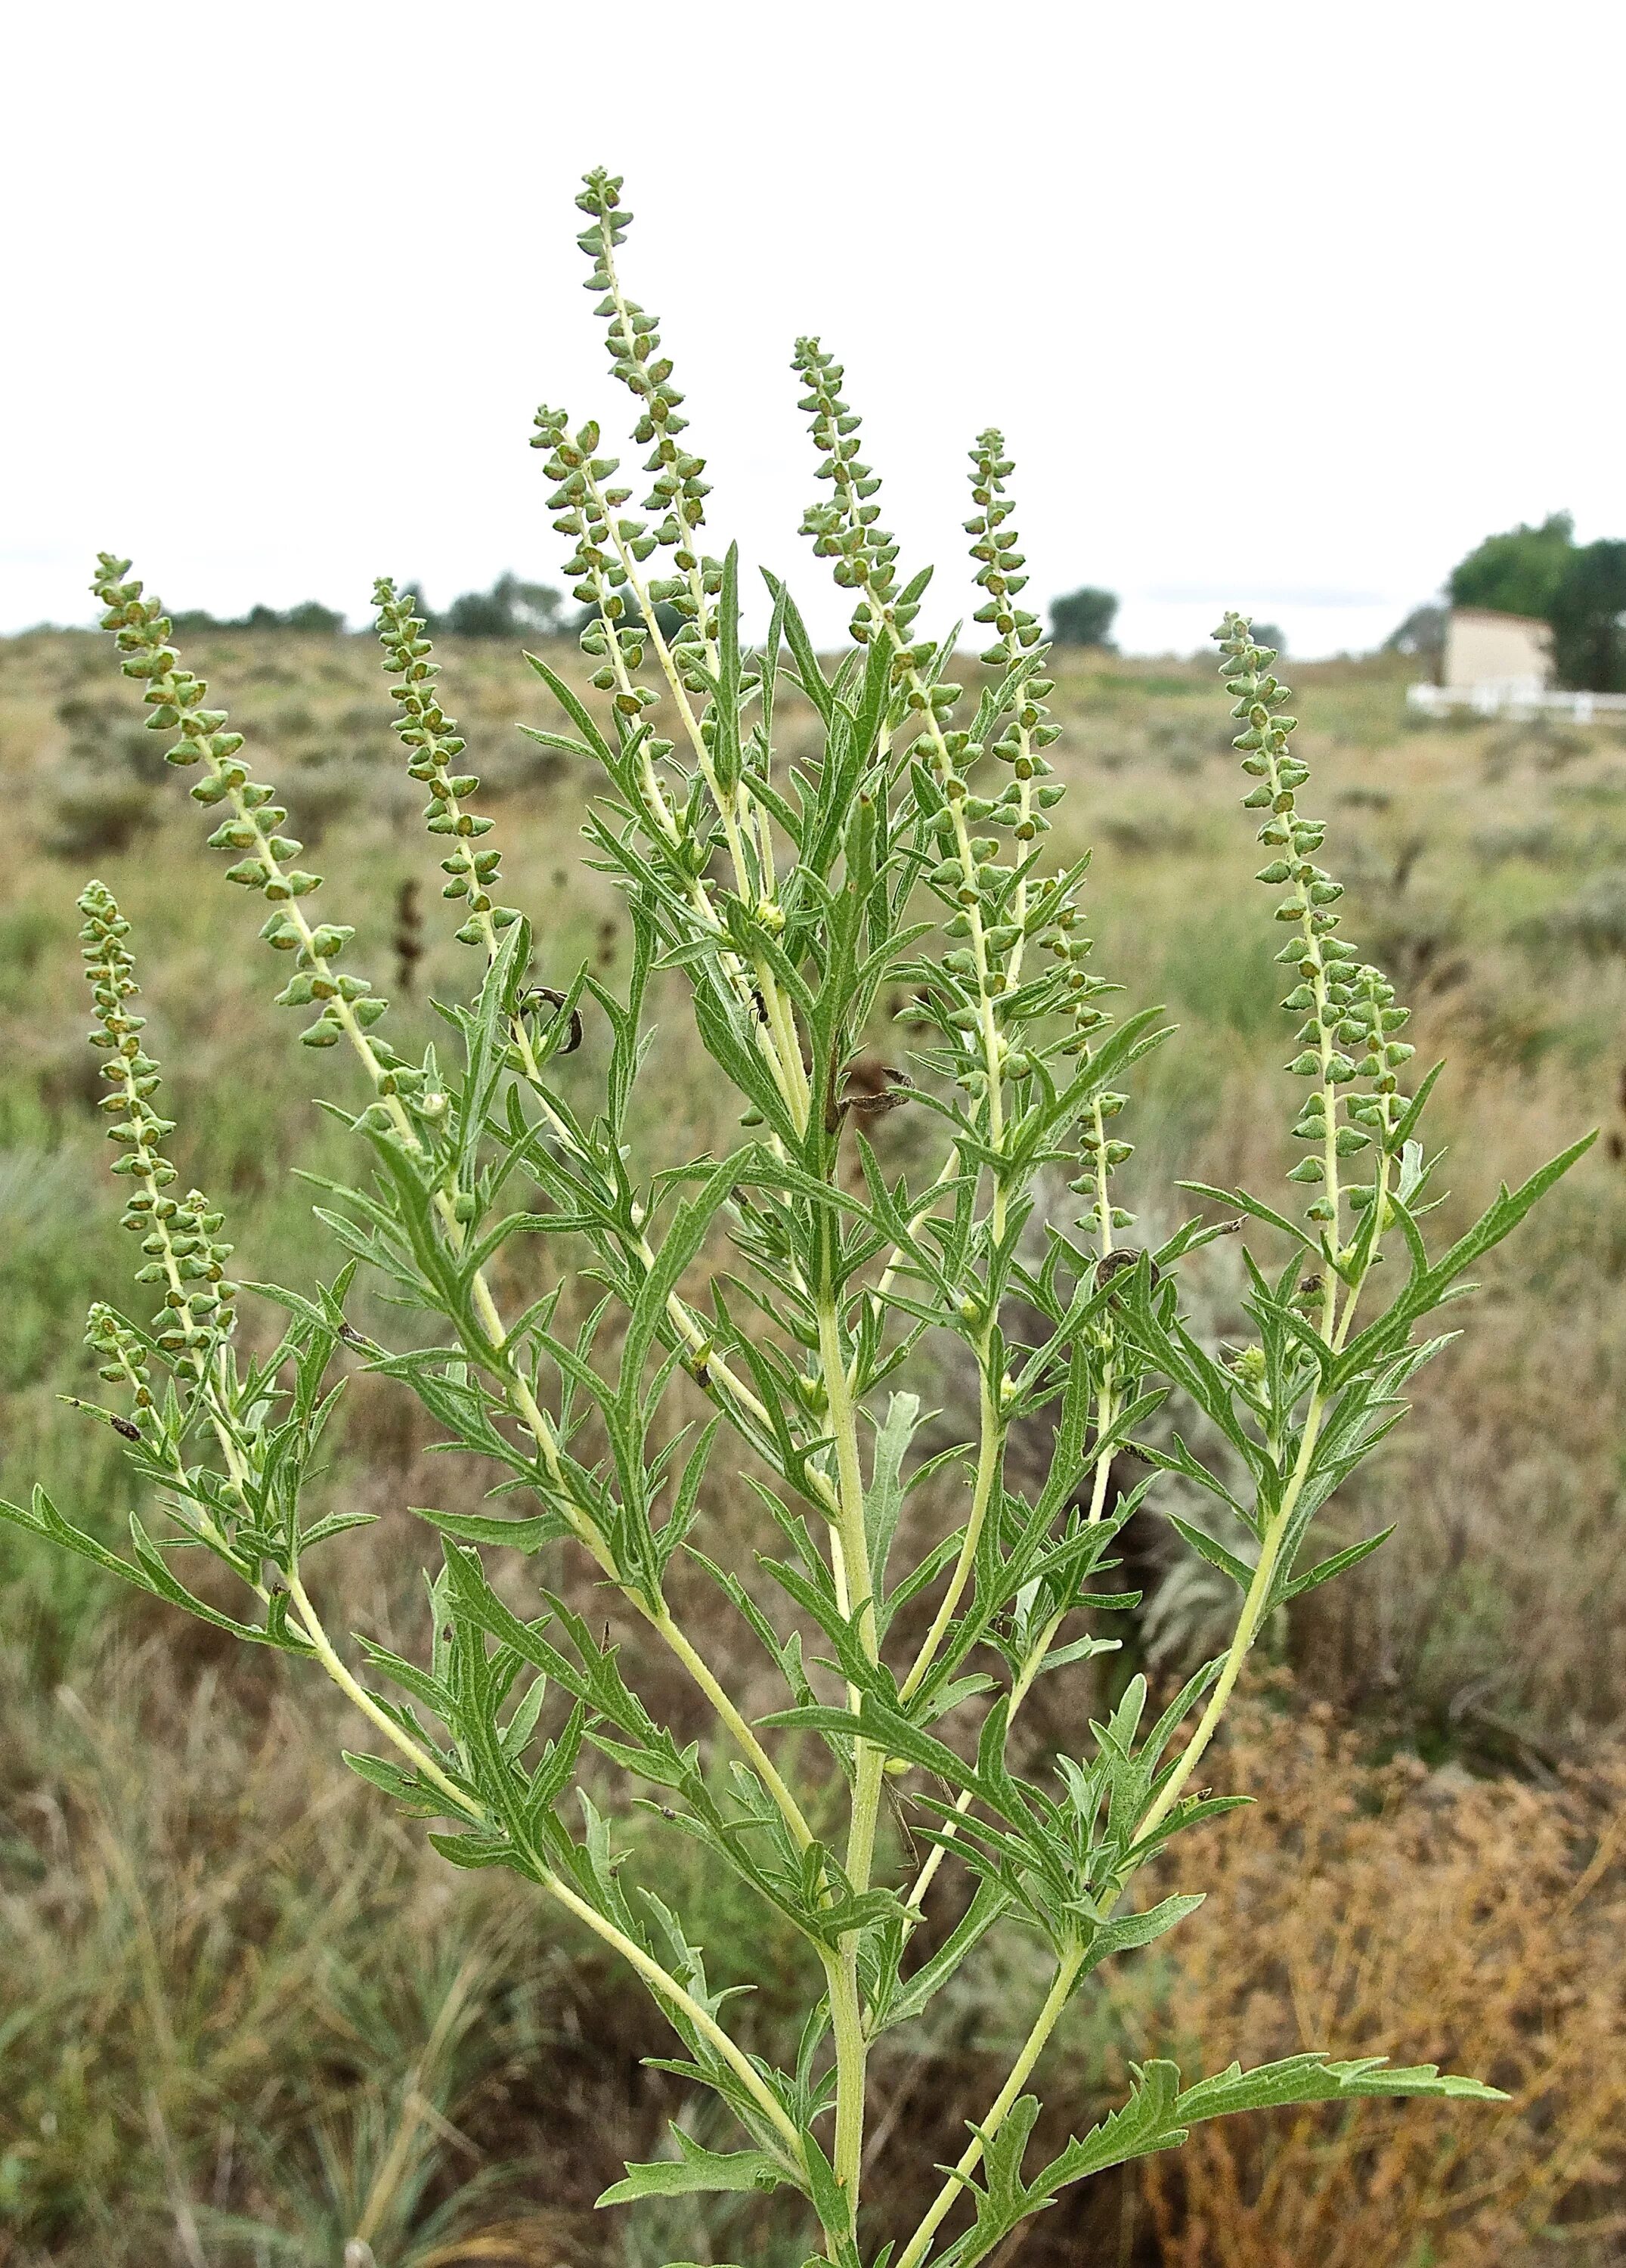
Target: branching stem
1044,2023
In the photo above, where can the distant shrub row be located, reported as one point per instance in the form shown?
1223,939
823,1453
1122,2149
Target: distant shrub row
519,612
311,617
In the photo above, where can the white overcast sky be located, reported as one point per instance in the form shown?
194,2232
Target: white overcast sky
1280,305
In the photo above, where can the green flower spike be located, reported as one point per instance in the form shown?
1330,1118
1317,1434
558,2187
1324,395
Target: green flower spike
433,745
678,493
179,1236
1347,1047
345,1004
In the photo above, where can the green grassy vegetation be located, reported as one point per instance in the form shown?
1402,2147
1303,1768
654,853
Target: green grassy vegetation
212,2053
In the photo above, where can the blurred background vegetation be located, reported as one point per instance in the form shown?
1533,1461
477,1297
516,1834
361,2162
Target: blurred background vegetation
247,2019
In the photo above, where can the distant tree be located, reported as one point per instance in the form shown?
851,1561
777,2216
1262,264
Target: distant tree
311,617
1518,573
1588,614
1421,633
1083,617
1269,634
510,609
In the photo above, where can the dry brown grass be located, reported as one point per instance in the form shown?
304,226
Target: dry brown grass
204,2007
1434,1918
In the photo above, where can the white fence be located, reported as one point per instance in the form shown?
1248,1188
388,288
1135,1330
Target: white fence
1513,696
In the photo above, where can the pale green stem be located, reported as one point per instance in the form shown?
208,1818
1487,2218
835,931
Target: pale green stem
1259,1586
1019,911
1380,1190
849,1536
1061,1990
790,1810
783,1050
667,1987
1106,1405
1246,1629
881,619
416,1755
521,1397
916,1901
207,1385
846,2010
687,1325
744,804
989,1437
851,2069
659,1980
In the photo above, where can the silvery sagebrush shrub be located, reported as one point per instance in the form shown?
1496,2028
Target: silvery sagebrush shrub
794,900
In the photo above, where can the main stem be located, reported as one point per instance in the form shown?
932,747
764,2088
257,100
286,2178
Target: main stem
846,2003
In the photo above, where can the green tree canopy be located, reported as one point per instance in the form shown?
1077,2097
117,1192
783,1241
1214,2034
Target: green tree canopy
1422,632
309,615
1519,571
1589,619
1083,617
510,609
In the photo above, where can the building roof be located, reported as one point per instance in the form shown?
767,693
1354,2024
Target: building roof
1499,614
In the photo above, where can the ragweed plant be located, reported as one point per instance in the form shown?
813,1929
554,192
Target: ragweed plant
796,1282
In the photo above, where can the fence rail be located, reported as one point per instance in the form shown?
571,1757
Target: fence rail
1513,697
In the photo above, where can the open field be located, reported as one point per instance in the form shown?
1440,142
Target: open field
214,2049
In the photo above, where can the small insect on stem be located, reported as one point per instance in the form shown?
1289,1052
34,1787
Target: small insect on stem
1119,1262
539,997
121,1425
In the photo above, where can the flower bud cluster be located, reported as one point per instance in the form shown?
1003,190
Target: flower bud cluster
969,877
1348,1036
1371,1022
976,994
1053,923
847,528
679,490
181,1239
434,745
120,1356
583,506
110,969
254,817
173,694
1100,1154
1028,728
994,547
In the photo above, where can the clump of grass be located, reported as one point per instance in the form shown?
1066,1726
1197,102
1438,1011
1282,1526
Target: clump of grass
1484,1921
246,2025
1590,920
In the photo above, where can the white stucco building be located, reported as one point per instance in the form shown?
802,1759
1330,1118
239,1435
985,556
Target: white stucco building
1503,664
1483,647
